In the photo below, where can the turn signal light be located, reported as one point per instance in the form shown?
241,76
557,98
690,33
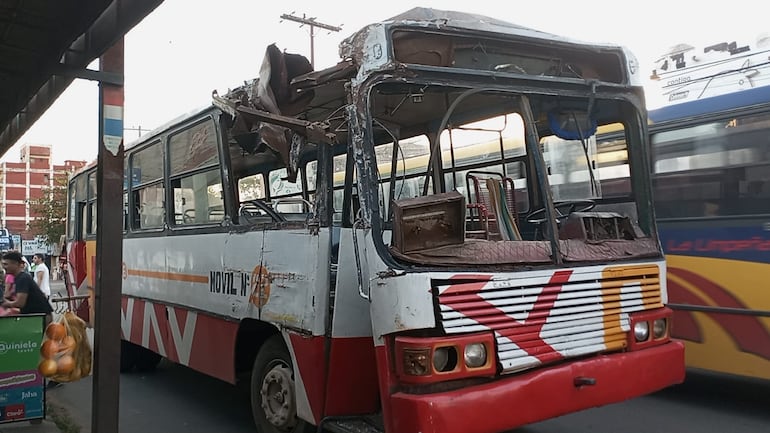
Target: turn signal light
416,361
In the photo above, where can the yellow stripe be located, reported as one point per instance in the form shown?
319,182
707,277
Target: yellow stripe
169,276
614,278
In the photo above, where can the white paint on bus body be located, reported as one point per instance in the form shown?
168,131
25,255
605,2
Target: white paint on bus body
191,271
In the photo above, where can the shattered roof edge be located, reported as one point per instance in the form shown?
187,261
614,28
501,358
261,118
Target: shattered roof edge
429,17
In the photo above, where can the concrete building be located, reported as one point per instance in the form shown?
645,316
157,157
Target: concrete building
23,181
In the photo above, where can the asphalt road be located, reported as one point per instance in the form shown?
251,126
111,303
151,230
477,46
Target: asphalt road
175,398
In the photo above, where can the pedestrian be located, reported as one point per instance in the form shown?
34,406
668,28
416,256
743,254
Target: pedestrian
2,283
8,291
25,265
9,294
42,274
29,298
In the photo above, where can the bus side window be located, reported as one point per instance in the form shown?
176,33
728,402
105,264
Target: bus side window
83,227
198,198
287,197
125,212
147,188
90,217
150,210
195,176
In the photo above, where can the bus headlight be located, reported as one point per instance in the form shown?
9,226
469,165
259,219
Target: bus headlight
659,328
475,355
641,331
441,358
424,360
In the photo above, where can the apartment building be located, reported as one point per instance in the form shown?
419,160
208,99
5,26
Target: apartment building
24,180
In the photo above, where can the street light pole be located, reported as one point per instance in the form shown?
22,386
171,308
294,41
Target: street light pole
313,24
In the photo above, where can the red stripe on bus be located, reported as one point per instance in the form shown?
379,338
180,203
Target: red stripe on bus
748,332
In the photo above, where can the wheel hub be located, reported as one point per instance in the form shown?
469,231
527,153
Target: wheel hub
278,400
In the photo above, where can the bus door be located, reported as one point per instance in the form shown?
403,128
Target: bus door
284,261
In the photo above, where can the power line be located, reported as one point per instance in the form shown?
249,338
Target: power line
139,128
304,20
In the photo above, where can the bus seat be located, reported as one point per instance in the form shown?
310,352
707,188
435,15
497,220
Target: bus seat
152,218
255,212
216,214
482,206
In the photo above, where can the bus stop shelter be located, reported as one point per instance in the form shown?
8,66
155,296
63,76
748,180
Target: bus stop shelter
44,46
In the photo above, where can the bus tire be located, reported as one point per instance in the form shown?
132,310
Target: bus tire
135,356
147,360
128,356
273,398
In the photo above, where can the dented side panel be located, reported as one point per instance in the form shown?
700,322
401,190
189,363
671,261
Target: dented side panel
276,275
401,303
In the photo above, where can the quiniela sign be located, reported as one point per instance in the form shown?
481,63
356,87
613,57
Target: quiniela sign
22,394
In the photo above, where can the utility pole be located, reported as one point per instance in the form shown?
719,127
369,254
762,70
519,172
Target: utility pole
138,128
313,24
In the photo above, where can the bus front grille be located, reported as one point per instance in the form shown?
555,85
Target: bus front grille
544,319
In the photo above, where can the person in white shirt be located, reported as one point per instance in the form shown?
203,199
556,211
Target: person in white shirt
42,275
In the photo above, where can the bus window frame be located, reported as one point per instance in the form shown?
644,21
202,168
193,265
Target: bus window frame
171,177
134,188
89,223
731,200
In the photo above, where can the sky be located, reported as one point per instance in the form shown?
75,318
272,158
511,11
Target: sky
184,50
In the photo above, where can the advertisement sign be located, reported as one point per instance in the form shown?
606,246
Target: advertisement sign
6,240
34,246
22,391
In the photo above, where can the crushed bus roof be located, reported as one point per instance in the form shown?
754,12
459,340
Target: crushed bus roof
290,95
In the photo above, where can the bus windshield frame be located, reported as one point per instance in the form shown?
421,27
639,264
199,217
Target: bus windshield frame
571,179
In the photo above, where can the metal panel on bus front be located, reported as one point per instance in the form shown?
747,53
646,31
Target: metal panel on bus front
351,311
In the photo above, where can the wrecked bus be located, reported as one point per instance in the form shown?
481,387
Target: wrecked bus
420,238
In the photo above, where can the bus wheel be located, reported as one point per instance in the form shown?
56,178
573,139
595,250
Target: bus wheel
128,356
135,356
147,360
273,399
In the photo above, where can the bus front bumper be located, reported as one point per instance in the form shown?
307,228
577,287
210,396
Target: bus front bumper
545,393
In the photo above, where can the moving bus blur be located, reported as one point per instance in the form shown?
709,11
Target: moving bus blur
487,287
711,159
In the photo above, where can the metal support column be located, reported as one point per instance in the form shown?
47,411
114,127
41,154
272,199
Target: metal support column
109,248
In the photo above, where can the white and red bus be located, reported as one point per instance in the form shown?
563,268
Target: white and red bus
278,236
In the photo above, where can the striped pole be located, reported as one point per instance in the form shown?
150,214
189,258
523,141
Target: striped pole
109,231
112,121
